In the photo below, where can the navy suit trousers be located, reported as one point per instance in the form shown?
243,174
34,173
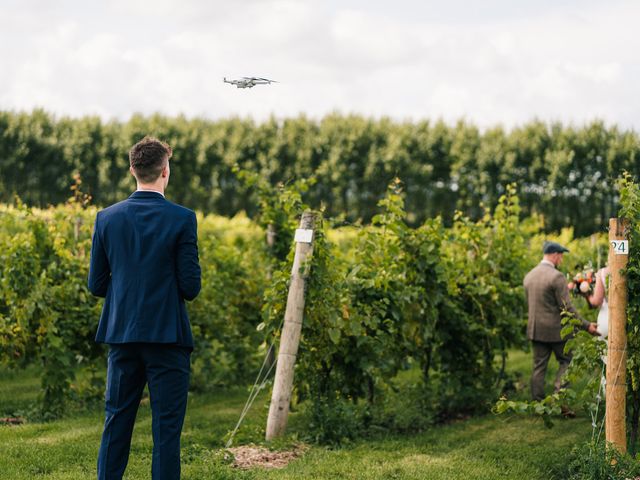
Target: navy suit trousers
165,368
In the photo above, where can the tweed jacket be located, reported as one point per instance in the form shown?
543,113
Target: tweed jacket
547,296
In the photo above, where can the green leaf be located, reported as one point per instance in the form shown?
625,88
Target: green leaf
334,335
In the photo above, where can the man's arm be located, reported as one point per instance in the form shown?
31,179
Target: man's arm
187,264
99,270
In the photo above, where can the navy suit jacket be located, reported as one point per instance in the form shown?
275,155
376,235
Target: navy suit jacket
144,261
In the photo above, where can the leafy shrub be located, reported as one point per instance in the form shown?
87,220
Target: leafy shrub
48,316
448,300
596,461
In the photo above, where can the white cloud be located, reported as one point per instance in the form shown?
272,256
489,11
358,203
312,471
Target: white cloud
407,59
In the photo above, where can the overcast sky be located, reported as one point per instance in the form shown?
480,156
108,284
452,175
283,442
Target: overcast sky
490,62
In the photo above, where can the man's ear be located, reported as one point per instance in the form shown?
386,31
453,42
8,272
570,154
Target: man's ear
132,172
165,171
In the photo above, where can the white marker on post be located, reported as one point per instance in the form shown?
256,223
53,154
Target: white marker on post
620,247
303,235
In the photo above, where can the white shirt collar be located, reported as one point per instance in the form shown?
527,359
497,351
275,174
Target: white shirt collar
149,190
547,262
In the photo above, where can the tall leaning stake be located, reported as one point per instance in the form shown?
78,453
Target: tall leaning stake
616,351
291,331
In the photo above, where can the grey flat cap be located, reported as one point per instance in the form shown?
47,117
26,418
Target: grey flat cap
553,247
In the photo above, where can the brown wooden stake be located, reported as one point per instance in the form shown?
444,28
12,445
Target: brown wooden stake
616,393
271,241
290,339
271,235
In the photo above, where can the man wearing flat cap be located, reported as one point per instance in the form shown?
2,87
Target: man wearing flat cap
547,297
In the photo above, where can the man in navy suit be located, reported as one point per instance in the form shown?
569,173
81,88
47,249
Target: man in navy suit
144,262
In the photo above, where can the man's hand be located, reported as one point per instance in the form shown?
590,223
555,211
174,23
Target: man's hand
593,329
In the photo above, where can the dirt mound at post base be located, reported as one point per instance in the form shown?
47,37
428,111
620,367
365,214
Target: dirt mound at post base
11,421
251,456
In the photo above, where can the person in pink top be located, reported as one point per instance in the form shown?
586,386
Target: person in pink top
599,299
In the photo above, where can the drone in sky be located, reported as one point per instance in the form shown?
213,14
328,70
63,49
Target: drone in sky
249,82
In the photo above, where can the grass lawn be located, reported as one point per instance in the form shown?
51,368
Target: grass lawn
487,447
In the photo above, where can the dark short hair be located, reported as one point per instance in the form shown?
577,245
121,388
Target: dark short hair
148,157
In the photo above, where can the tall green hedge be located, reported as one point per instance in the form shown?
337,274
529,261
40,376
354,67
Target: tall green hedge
563,172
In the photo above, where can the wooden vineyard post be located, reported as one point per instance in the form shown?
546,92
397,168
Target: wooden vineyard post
271,235
290,339
616,393
271,241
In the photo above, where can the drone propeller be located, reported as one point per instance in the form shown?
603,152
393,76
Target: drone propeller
249,82
259,78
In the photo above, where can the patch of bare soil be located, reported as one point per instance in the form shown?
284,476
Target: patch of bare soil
251,456
11,421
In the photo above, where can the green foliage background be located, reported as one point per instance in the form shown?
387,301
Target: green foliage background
565,173
48,316
382,300
387,298
432,283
